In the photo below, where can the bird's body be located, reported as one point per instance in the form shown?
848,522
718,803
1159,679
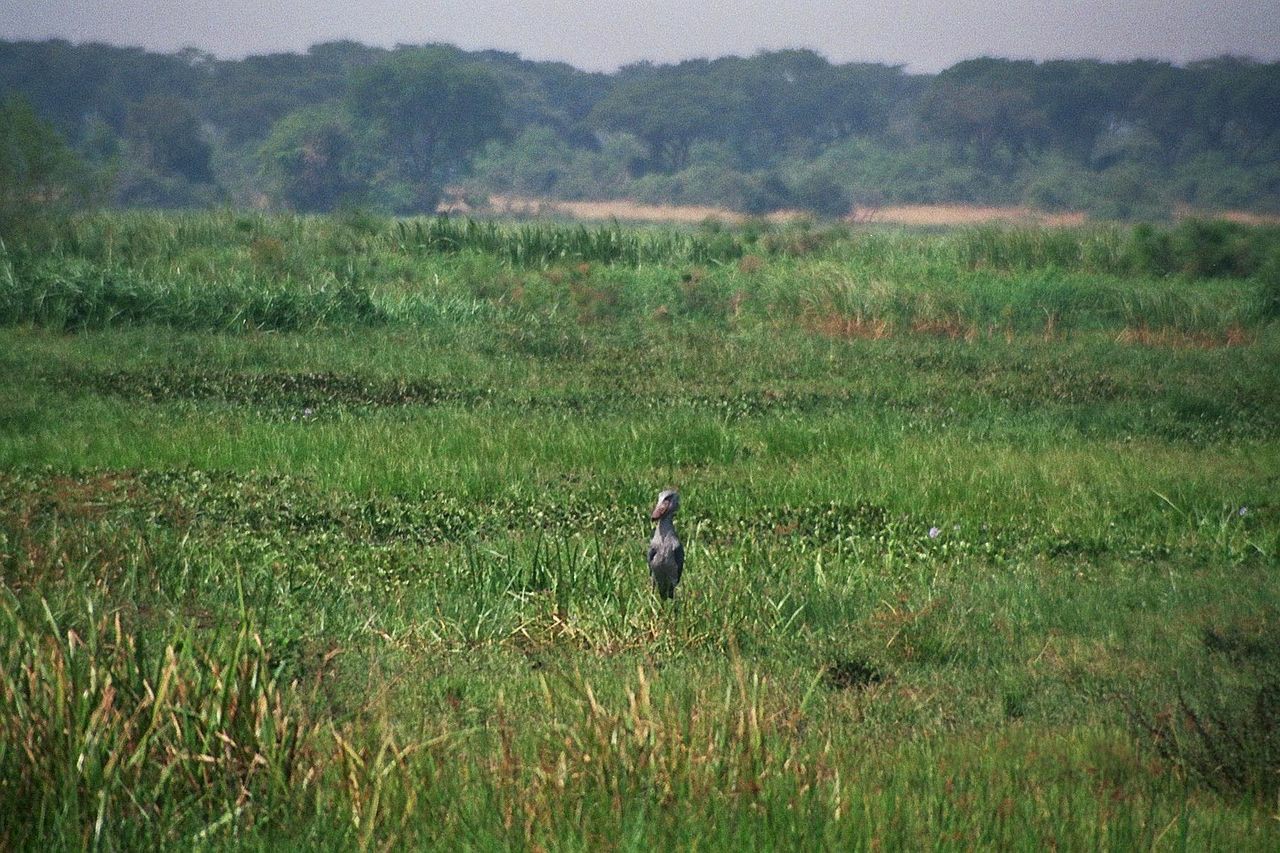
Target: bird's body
666,554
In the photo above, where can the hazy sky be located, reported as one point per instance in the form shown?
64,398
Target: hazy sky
925,35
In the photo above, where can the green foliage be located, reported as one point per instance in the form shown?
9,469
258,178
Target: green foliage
1057,183
1211,181
540,245
540,163
79,295
878,171
1129,140
1223,727
822,194
1208,249
227,272
1269,278
93,716
432,111
992,124
708,180
310,160
38,172
165,135
138,187
164,159
531,165
1131,191
1200,248
670,112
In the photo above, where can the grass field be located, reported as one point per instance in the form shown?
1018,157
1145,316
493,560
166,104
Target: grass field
330,533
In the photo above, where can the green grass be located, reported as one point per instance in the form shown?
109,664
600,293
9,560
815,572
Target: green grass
341,576
541,284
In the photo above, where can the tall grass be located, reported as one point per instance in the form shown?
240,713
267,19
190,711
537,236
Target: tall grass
228,272
537,245
79,295
100,731
109,743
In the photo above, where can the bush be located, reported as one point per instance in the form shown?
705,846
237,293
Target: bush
1151,250
765,194
1199,248
1269,283
1130,191
1057,183
1223,727
822,194
140,187
1214,248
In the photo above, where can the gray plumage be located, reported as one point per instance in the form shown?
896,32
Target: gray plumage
666,554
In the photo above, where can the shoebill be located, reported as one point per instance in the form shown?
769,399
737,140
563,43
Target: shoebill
666,554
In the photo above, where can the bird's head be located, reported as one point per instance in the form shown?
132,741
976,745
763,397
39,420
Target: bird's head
668,503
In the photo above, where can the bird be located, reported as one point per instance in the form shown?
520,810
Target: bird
666,554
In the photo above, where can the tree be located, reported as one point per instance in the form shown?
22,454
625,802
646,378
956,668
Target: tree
669,111
166,136
857,98
309,159
529,165
823,193
37,168
984,120
246,98
431,111
65,82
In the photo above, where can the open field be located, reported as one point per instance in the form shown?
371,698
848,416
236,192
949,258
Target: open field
330,533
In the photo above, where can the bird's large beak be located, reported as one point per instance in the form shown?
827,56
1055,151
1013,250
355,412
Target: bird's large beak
660,510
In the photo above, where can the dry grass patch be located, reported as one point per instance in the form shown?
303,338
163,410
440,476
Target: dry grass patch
628,210
850,328
964,214
951,328
1170,338
1240,217
858,327
624,210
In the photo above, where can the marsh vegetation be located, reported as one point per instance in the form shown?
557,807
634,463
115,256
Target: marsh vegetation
330,532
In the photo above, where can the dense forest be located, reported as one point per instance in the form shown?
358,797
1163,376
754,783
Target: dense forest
347,125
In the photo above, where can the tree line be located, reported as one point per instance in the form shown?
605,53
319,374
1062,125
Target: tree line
345,124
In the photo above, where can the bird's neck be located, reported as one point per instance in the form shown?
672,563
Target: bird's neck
666,527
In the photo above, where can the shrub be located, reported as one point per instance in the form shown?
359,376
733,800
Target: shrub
822,194
1212,248
1151,250
1269,283
1223,726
